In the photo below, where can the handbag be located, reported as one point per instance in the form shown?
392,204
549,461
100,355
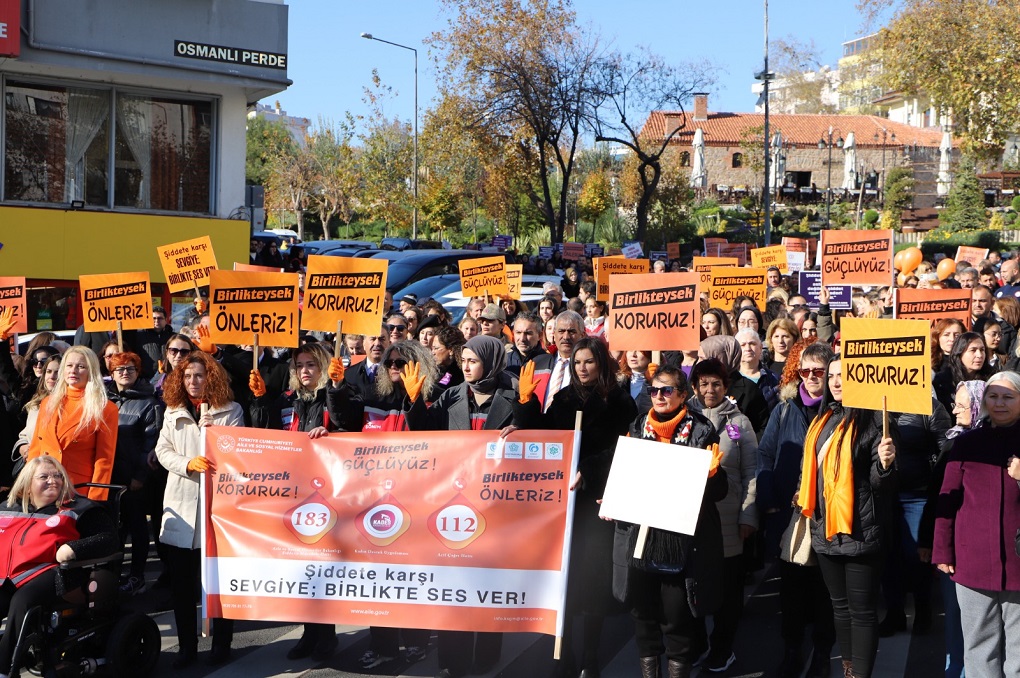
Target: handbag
795,544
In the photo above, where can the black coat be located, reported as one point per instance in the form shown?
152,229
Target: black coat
275,374
451,412
310,414
140,421
922,441
750,401
149,345
700,556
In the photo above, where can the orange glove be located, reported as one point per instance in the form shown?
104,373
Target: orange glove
716,459
201,305
411,375
256,384
161,367
203,341
527,383
200,465
336,370
6,322
650,370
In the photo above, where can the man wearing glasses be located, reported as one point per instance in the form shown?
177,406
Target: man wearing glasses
150,343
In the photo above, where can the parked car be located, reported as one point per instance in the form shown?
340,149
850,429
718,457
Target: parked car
411,266
321,247
401,244
25,339
531,293
427,288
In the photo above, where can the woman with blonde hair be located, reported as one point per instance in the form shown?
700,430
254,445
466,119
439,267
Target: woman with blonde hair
77,423
780,336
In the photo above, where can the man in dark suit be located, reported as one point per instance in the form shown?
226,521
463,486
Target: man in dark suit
361,377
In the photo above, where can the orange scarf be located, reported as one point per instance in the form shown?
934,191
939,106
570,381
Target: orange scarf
664,429
837,476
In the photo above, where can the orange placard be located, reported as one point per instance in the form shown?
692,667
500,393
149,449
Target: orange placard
712,246
347,289
654,312
933,305
972,254
244,303
483,276
12,295
729,283
857,257
886,360
605,266
806,245
572,251
673,250
408,529
735,249
252,268
764,257
109,298
704,265
187,263
514,276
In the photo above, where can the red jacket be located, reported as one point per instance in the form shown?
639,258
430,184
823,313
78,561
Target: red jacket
29,541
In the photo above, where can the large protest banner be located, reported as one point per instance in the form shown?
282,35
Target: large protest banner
245,303
408,529
606,266
12,295
932,305
729,283
764,257
485,276
857,257
886,359
514,276
109,298
347,289
654,311
188,263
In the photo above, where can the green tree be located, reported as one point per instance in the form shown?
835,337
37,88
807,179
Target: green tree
265,140
441,207
596,196
965,204
899,195
336,172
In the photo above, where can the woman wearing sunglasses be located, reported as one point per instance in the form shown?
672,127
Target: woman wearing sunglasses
178,348
658,587
803,597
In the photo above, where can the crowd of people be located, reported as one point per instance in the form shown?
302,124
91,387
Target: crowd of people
858,512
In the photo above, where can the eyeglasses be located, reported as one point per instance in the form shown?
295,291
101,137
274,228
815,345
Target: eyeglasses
46,477
395,328
816,372
124,370
666,391
399,363
178,351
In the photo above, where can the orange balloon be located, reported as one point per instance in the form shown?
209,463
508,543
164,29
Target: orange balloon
911,258
946,268
898,260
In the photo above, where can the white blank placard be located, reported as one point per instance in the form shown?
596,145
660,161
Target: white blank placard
656,484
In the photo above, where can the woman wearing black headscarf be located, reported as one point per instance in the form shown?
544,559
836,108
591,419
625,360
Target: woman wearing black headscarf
606,414
483,401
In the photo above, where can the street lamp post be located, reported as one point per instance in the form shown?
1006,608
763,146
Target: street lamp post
823,143
414,178
892,138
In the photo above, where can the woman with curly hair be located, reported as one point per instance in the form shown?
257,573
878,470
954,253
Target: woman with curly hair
77,423
446,349
198,380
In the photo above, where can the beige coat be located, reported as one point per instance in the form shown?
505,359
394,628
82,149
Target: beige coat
179,441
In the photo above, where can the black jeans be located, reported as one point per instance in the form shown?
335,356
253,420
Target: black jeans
853,584
727,617
15,602
803,600
134,523
185,567
663,621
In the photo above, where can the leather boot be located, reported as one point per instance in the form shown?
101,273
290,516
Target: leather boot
650,667
678,669
848,669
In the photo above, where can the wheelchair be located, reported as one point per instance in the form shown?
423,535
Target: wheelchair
84,632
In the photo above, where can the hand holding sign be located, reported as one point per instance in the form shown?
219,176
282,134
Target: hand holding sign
886,452
413,380
336,370
527,383
203,340
6,322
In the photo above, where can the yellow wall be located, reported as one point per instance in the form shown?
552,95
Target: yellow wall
63,244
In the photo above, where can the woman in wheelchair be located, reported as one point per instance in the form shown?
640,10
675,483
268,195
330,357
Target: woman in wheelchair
44,523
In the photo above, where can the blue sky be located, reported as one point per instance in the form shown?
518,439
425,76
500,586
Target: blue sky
330,64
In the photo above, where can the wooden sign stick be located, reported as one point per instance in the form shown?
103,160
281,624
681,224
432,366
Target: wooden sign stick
885,417
198,292
639,545
255,353
120,336
338,342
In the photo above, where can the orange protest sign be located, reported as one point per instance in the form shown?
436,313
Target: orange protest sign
932,305
673,250
805,245
764,257
187,263
252,268
972,254
886,359
109,298
347,289
514,276
605,266
12,295
483,276
244,303
654,311
735,249
857,257
704,265
572,251
408,529
729,283
712,246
